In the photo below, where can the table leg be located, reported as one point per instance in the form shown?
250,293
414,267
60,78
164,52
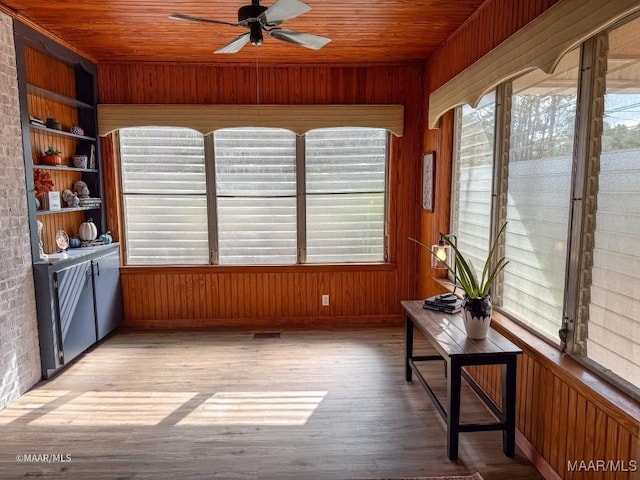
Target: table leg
509,371
408,347
454,377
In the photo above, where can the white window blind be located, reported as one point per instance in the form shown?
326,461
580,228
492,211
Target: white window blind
345,187
256,196
614,312
539,185
474,180
164,196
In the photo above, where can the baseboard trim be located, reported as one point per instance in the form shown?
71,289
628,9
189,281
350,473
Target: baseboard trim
536,458
249,323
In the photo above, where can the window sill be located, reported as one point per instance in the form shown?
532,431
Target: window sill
611,399
325,267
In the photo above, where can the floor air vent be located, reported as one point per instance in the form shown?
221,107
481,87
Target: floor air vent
257,336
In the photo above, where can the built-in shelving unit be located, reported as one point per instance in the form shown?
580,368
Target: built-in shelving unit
57,83
78,295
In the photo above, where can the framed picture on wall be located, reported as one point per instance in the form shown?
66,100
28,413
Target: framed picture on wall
427,181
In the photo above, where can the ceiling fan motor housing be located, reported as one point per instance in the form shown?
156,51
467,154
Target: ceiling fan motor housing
250,12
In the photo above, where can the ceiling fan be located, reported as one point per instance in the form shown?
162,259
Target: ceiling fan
256,18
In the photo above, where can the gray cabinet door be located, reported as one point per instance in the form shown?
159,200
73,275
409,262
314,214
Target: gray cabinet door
106,277
75,313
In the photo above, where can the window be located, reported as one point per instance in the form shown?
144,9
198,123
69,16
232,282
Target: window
260,196
473,180
539,195
573,211
256,196
613,338
345,188
164,196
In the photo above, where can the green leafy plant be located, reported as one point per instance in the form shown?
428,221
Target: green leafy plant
464,274
53,150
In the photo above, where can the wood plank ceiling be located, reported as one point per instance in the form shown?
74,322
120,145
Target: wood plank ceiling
362,31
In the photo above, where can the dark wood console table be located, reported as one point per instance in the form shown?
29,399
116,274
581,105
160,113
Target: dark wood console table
448,336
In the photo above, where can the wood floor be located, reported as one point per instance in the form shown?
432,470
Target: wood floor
311,405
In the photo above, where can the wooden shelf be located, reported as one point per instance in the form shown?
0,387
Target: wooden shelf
66,210
62,167
56,97
61,132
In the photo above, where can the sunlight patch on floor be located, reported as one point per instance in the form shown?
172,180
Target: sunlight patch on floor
118,408
256,408
113,409
30,404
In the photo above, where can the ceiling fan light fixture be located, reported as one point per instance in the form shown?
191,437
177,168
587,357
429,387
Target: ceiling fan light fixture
256,34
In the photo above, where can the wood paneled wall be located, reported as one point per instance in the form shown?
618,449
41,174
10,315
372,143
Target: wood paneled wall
375,293
440,142
259,296
493,22
111,178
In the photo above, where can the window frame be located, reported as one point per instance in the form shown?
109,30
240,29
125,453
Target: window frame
300,201
302,185
122,194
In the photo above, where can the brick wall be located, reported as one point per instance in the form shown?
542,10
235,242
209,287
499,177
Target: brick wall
19,352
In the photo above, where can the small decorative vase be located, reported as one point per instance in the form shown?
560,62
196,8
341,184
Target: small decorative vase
476,313
76,130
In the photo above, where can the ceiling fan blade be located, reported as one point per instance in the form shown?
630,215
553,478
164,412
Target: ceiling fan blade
281,11
189,18
298,38
234,45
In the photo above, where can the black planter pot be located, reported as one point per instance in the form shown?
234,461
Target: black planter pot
476,313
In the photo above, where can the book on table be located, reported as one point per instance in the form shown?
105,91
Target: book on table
447,303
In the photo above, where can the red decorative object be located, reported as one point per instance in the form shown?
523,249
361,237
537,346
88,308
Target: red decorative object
52,156
42,182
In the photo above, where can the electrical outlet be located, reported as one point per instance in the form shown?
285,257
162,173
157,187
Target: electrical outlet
325,300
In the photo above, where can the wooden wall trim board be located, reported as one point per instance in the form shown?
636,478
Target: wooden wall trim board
208,118
540,44
538,460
